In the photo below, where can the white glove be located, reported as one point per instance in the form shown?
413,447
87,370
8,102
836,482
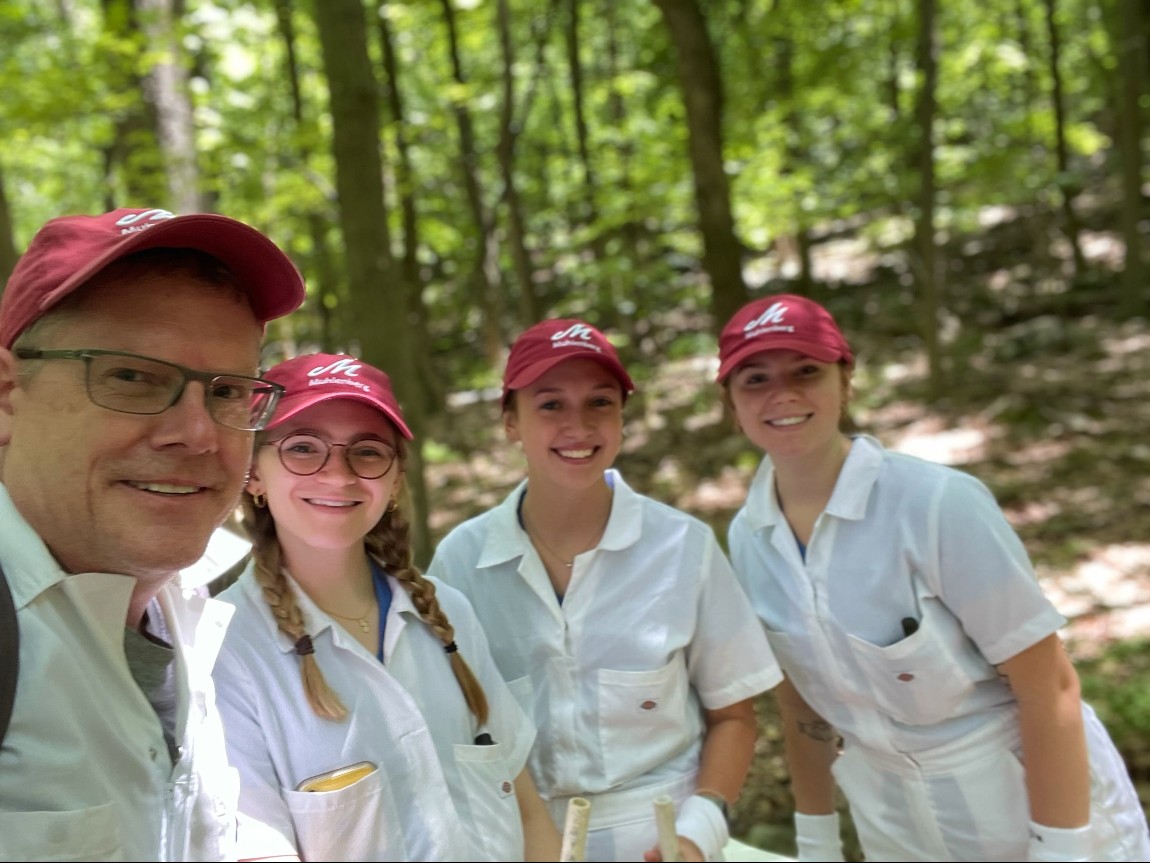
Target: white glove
817,838
1058,844
701,821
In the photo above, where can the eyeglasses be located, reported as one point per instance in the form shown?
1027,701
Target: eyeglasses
306,454
132,384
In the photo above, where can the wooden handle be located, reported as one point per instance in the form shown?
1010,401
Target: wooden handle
574,847
665,822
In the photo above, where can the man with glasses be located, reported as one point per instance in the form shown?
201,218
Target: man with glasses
129,392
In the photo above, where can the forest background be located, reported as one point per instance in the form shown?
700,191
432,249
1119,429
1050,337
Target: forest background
962,184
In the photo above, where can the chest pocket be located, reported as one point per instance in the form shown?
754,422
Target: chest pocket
919,680
82,834
359,822
496,830
643,718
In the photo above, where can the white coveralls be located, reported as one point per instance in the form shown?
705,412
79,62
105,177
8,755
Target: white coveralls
435,795
85,773
931,763
653,628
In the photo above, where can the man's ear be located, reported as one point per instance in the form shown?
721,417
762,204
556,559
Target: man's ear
9,384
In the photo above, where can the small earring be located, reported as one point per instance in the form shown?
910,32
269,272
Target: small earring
260,500
392,505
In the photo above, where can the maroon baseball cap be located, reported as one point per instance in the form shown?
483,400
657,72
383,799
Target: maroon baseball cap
68,251
549,343
781,322
313,378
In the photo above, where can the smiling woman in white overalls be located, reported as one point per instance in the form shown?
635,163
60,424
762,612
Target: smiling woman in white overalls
908,620
359,731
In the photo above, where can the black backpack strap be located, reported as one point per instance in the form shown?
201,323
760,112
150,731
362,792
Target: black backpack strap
9,654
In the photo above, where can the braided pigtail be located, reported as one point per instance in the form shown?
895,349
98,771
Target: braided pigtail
390,542
268,559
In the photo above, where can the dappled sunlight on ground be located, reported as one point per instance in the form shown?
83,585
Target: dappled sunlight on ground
1106,596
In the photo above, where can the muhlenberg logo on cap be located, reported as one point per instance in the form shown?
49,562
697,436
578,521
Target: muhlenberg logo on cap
347,368
130,224
770,321
575,336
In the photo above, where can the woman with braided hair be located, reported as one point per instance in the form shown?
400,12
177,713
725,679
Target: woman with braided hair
360,701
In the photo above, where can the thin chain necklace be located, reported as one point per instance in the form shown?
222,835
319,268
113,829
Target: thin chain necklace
364,623
535,537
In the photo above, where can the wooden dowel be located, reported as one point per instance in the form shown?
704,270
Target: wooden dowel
665,823
574,847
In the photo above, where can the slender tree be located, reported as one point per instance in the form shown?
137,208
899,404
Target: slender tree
8,253
1067,185
431,389
925,247
167,82
133,161
702,91
378,297
1131,47
485,274
324,298
510,126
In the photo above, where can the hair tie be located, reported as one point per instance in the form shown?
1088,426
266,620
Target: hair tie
450,648
303,646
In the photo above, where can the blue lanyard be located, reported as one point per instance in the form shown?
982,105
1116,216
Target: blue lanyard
382,599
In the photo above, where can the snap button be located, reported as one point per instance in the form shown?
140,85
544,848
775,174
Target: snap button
905,676
649,704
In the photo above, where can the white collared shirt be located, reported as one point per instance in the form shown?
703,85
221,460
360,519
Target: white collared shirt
435,796
84,770
901,539
653,627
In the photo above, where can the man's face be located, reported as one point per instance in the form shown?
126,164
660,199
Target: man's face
118,492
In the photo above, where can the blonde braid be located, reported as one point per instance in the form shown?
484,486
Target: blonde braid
268,559
390,542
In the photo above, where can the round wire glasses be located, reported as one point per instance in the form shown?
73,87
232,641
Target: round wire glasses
305,454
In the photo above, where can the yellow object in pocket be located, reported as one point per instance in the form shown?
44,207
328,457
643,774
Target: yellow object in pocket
336,779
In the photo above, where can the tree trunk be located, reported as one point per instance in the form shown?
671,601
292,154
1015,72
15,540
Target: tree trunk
1130,44
799,241
377,294
431,388
133,161
702,89
587,215
167,84
8,253
485,275
926,253
509,127
325,300
1066,184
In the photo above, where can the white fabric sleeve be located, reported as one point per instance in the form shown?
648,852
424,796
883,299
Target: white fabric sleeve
729,658
985,576
701,821
818,837
1058,844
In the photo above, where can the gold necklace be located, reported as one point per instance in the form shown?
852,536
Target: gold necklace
364,623
534,536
